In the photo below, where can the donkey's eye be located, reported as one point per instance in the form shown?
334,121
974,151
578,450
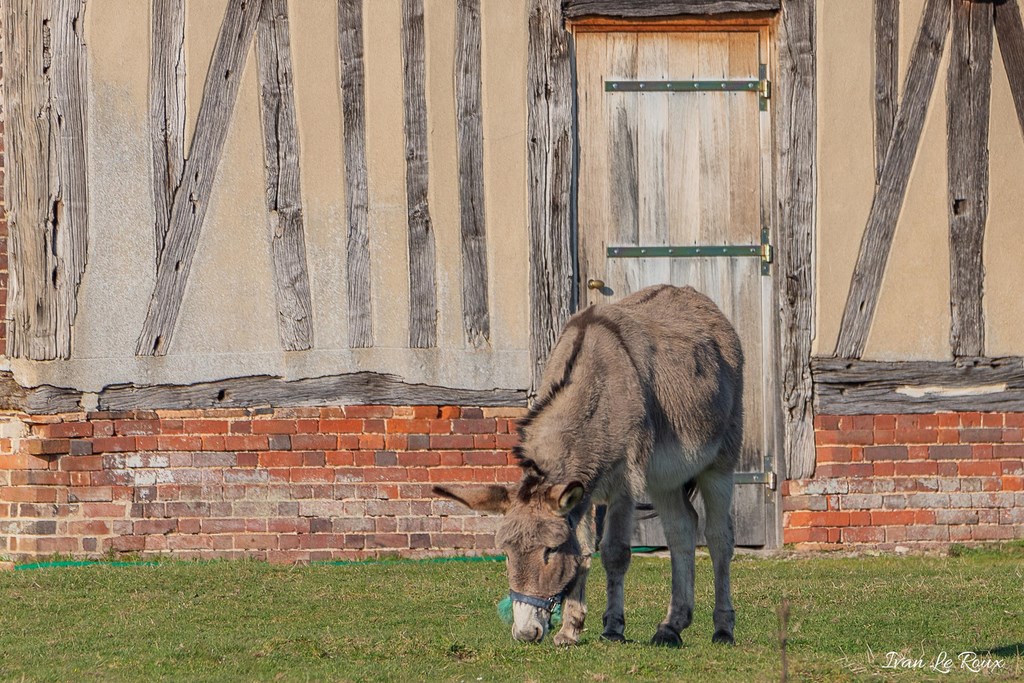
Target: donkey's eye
547,554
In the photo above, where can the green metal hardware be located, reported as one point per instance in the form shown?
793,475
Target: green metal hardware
764,251
682,86
762,86
681,252
766,478
767,253
764,89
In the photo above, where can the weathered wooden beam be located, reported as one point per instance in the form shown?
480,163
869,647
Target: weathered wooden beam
422,263
167,108
892,183
248,392
846,386
796,132
887,70
193,196
284,192
43,399
357,202
663,8
968,95
469,116
358,388
46,187
1010,31
550,157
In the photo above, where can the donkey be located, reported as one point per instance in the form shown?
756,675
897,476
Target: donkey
645,393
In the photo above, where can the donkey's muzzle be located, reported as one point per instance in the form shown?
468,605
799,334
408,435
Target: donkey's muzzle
531,633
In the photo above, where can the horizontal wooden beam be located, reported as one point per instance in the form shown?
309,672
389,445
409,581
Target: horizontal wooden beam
846,386
361,388
662,8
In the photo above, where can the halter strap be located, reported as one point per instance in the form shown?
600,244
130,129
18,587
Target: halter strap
547,604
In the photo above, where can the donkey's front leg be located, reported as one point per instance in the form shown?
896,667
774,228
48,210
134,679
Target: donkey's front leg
679,520
615,556
574,608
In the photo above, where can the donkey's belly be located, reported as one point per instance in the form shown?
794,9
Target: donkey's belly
671,465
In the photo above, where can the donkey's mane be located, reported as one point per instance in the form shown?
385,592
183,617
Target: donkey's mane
533,475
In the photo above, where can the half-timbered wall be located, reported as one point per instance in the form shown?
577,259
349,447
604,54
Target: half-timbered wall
291,189
913,318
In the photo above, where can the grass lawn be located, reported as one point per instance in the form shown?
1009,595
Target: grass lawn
408,621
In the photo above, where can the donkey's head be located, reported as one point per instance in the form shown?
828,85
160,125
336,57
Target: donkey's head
538,536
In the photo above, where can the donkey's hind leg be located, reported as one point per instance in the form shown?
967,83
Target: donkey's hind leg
679,519
615,556
716,490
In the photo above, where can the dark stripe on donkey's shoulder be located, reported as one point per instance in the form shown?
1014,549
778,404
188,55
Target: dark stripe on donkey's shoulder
580,321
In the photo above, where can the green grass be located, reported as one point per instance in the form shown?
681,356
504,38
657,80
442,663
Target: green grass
436,621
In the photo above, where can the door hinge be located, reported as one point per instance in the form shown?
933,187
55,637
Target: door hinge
764,87
768,479
767,253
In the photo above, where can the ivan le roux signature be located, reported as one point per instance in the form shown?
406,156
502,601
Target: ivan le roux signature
943,662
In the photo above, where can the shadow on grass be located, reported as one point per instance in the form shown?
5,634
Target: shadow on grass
1015,650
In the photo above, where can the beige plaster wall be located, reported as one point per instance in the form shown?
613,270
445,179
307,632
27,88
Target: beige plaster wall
227,325
913,317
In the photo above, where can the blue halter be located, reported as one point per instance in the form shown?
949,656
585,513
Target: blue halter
547,604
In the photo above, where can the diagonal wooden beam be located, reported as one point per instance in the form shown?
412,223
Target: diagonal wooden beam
887,69
422,262
357,202
1010,32
968,94
892,183
284,193
193,196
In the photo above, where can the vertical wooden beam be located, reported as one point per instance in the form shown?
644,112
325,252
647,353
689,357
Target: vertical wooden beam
47,193
549,163
353,104
968,94
422,268
284,192
469,115
796,119
167,108
892,183
887,69
1010,32
193,196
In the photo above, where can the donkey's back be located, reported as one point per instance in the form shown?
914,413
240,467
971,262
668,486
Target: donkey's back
691,364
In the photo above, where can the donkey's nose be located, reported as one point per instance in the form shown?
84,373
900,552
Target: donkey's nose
532,633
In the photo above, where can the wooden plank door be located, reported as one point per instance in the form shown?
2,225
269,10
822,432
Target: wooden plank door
664,166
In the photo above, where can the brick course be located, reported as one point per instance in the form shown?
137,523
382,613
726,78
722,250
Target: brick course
920,481
285,485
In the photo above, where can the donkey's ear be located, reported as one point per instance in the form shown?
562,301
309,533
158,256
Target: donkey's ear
482,498
564,497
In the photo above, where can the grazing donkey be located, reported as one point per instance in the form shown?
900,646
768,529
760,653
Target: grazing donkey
646,393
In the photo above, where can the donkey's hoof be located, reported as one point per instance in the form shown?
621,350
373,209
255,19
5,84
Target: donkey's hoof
613,637
666,637
565,640
723,638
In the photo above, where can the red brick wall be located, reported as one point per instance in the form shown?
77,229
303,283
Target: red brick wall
284,485
919,481
353,482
